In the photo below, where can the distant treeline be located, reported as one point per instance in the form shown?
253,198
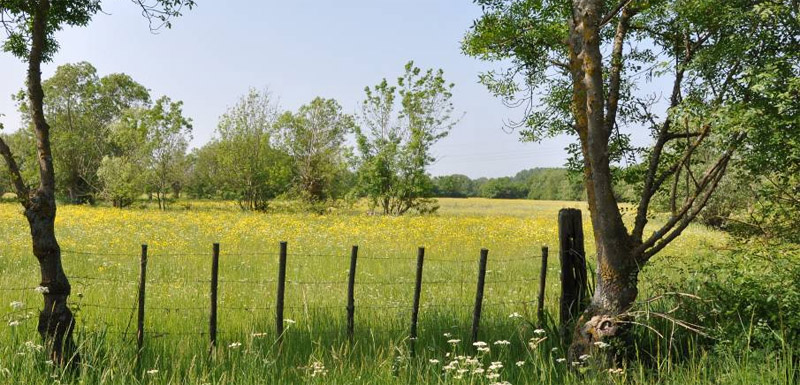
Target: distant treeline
535,183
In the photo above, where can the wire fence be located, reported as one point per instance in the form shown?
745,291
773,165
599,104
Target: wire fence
462,276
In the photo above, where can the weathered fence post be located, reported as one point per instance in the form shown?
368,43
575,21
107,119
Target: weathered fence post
573,265
212,319
140,319
542,280
476,315
281,291
351,302
415,309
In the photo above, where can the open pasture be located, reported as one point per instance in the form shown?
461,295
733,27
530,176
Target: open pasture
101,255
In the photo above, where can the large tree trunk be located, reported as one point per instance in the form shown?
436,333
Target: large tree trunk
56,321
617,269
615,292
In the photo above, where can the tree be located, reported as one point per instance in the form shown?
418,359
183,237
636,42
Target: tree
504,188
249,162
314,137
80,106
731,66
30,27
395,147
168,133
454,186
121,180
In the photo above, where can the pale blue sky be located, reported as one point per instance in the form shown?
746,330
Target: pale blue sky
300,49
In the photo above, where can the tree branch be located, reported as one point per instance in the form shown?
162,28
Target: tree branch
16,177
689,210
607,18
616,68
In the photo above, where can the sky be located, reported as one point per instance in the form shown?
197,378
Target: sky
301,49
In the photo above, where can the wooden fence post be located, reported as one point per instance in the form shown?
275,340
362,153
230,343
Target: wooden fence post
415,309
281,291
212,319
573,266
140,319
476,315
351,284
542,280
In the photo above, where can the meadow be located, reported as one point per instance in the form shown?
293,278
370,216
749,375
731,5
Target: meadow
101,255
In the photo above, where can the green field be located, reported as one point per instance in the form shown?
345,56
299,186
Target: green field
101,255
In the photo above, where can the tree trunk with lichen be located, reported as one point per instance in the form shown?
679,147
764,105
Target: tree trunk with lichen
617,270
56,321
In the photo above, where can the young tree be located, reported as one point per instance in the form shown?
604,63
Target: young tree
315,137
250,164
730,65
402,123
30,27
168,134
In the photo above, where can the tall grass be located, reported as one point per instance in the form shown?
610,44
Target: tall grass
101,254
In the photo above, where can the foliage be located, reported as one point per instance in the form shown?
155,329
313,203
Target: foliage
80,106
454,186
400,124
122,180
503,188
315,139
247,159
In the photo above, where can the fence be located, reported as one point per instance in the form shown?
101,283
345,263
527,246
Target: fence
571,257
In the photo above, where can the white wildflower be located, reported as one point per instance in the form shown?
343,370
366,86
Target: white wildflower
616,371
447,335
289,321
478,371
16,305
496,365
235,345
559,360
520,363
318,369
554,349
584,357
502,342
539,331
492,376
433,361
484,349
257,335
479,344
601,344
152,371
575,363
41,289
453,341
515,315
13,323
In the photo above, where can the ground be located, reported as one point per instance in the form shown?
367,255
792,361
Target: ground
101,249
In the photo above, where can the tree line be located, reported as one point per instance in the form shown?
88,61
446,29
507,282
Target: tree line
113,140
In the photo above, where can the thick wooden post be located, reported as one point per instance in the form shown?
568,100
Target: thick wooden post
542,281
351,301
281,291
212,319
140,319
415,309
476,314
573,266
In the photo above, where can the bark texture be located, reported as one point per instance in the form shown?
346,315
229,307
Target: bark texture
56,321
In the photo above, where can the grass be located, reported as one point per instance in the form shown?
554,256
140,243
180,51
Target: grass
101,247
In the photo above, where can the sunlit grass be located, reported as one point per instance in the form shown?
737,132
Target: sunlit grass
101,254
